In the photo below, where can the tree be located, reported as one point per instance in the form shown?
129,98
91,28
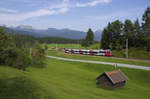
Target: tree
117,41
146,26
18,41
10,55
148,43
105,39
45,47
4,39
137,28
38,55
84,43
116,33
139,35
129,32
4,43
146,22
16,58
89,37
111,38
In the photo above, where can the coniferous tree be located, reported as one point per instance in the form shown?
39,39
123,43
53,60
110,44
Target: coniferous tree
146,27
111,38
129,32
89,40
105,39
146,22
139,35
89,37
116,35
110,34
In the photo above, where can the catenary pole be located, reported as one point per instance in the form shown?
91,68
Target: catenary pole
127,48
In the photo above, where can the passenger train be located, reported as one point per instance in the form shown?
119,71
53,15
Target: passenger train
89,52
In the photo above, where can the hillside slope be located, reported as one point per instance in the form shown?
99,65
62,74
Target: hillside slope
69,80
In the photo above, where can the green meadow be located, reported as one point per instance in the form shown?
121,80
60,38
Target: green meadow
133,52
69,80
99,58
75,46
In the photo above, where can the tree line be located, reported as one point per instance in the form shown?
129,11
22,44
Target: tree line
58,40
46,40
116,33
20,51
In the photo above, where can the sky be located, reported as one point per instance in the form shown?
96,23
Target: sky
72,14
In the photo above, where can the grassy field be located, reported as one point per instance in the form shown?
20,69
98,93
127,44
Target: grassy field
75,46
98,58
133,53
69,80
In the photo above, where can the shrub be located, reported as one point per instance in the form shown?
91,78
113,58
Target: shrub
17,58
38,55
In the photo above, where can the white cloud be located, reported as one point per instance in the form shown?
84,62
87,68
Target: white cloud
7,10
128,13
61,8
53,10
92,3
20,17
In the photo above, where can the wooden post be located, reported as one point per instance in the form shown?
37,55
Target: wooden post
31,51
126,48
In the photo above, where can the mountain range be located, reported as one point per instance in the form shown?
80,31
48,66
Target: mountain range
52,32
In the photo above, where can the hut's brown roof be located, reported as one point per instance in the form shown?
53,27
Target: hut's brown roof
116,76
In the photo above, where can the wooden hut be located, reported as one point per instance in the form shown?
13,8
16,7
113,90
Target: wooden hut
114,79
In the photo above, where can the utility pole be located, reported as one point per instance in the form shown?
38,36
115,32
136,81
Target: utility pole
127,48
78,44
56,46
31,51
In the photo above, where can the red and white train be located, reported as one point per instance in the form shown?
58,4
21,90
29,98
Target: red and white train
89,52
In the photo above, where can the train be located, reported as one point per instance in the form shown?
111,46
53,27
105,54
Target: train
89,52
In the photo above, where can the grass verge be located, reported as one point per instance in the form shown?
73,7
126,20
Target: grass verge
98,58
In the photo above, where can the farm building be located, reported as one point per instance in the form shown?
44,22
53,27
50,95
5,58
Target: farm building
114,79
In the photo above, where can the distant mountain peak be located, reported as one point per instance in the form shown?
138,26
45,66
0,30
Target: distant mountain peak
24,27
52,29
54,32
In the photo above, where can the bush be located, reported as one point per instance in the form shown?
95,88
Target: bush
38,55
38,61
17,58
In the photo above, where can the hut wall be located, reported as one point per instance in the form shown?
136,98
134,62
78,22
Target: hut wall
119,85
104,80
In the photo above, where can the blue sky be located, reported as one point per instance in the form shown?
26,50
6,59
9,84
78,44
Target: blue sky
73,14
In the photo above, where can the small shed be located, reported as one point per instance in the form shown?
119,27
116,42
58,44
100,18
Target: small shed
114,79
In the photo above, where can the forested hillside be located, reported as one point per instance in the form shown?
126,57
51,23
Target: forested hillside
117,33
20,51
